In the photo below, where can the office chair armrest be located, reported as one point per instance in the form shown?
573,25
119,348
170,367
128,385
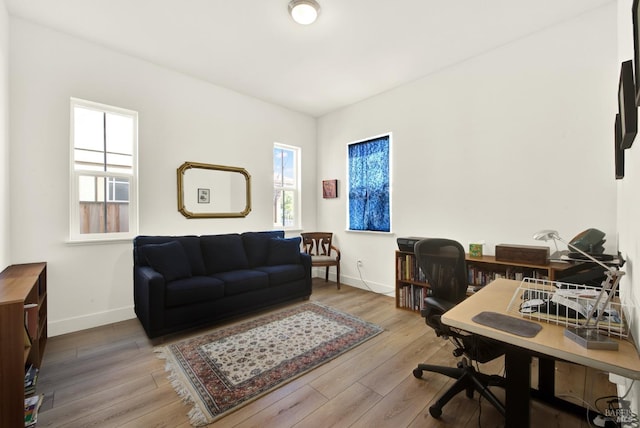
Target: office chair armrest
432,312
437,304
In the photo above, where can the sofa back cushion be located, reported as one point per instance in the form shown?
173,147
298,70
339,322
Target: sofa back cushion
223,253
256,246
191,245
169,259
284,251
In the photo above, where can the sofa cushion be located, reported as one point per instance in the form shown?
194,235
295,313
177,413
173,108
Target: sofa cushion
223,253
169,259
282,274
196,289
283,251
256,246
140,243
190,243
242,281
191,246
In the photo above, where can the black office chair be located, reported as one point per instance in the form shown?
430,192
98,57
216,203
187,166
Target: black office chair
443,263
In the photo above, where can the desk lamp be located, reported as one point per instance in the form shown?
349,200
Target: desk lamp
587,335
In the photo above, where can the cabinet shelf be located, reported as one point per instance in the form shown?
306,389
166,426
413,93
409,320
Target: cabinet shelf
412,287
20,285
411,284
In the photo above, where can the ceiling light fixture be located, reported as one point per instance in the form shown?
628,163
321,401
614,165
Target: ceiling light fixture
304,12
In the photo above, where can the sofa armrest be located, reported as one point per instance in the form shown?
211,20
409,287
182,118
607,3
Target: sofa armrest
305,259
148,298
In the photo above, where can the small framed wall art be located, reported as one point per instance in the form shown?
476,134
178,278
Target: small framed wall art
329,189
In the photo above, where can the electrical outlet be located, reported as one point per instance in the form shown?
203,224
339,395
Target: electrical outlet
359,263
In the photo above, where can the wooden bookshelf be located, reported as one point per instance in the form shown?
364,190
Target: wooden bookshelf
482,270
20,285
412,287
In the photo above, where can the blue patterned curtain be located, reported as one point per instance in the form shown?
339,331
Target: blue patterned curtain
369,207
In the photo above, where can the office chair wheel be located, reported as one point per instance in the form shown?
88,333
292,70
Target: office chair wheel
417,373
435,411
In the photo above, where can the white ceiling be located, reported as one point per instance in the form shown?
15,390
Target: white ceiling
356,49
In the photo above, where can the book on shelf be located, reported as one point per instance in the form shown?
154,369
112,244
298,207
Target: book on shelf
412,297
27,338
408,269
30,380
31,407
482,275
31,319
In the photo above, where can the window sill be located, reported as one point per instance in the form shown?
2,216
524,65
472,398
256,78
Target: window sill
100,241
373,232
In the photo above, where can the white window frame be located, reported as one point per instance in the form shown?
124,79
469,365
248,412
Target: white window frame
74,194
297,188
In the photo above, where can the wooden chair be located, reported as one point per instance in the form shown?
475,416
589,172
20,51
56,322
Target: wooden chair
323,253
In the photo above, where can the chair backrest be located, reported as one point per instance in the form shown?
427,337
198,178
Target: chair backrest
317,243
443,263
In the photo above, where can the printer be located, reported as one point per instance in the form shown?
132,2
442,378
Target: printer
406,244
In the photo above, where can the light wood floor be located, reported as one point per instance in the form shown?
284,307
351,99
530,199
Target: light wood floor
110,377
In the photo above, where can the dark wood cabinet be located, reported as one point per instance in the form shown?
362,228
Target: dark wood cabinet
21,286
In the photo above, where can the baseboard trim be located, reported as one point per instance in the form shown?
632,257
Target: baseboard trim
356,282
73,324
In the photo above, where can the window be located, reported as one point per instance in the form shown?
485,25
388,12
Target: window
103,173
286,186
369,175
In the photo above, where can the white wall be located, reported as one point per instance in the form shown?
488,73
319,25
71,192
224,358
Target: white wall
4,137
494,148
629,205
180,119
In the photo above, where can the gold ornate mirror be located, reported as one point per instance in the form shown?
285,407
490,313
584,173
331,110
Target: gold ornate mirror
213,191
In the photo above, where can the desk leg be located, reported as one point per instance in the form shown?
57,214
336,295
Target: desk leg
546,391
547,377
517,389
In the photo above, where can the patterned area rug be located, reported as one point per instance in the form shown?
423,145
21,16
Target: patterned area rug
229,367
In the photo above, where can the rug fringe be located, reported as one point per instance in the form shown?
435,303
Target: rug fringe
195,415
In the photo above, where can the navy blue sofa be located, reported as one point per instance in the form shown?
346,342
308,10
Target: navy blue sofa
182,282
